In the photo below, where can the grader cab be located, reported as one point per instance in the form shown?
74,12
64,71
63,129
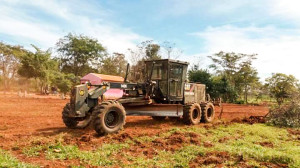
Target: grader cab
165,93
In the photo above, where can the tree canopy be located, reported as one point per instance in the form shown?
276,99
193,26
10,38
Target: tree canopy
115,64
39,66
237,70
282,86
34,65
9,62
79,54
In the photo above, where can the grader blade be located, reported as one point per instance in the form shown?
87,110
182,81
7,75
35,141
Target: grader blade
171,110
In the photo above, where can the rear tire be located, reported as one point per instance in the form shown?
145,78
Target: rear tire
70,122
208,113
109,117
192,114
159,118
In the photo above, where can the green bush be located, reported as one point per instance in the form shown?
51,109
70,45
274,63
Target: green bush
239,102
287,115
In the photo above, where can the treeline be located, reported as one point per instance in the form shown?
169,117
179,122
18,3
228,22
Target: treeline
231,76
235,80
73,57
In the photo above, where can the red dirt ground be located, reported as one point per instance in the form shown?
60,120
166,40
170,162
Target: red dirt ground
24,119
231,111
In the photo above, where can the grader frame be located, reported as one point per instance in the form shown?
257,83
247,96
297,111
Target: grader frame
165,93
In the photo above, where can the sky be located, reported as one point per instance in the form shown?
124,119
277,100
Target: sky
199,28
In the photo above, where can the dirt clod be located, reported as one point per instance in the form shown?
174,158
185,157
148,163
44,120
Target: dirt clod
294,131
208,144
171,143
212,160
85,138
176,138
195,141
223,139
273,165
15,148
150,152
266,144
217,158
122,137
249,120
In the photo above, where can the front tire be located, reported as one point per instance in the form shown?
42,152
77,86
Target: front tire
70,122
109,117
192,114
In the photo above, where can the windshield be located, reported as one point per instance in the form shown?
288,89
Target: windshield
159,71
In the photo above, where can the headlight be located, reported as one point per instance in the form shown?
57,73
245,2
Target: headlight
81,92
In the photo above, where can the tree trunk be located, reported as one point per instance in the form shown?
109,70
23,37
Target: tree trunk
246,94
36,85
42,88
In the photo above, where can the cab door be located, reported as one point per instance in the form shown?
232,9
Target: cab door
175,82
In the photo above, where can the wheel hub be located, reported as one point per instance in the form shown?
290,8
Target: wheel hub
111,119
209,113
195,114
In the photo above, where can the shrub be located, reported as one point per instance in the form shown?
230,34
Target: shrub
239,102
286,115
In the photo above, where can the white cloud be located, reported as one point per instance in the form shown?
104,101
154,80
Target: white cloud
44,22
278,51
29,32
116,39
285,8
207,7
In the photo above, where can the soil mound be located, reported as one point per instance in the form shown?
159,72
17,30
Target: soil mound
217,158
250,120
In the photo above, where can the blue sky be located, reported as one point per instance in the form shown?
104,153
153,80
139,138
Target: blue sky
269,28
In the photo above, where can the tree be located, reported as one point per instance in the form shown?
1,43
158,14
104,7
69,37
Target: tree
63,81
226,64
152,51
221,87
202,76
33,65
237,70
247,78
9,62
39,66
281,86
170,49
114,65
79,54
216,86
146,50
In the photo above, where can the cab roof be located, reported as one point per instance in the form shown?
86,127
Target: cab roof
169,60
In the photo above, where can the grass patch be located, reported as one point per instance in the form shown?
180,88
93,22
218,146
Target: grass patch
33,151
243,142
239,140
103,156
180,158
7,160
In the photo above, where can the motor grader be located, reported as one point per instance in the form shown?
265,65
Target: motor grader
165,93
